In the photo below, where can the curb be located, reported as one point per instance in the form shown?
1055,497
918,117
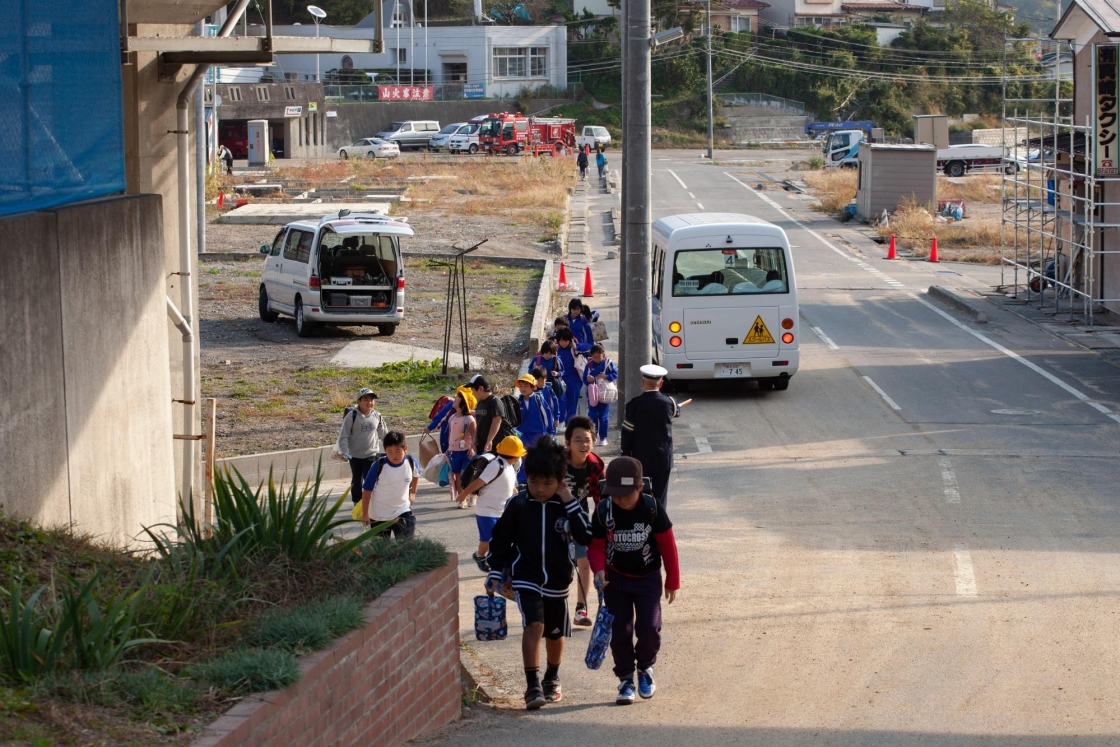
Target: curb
958,302
482,686
541,312
616,225
562,235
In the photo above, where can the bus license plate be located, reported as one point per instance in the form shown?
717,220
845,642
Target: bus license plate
733,369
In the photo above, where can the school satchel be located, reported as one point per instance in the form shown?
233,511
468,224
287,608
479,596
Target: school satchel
429,447
490,618
510,410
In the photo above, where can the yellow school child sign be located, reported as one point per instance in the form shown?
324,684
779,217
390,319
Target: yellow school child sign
758,335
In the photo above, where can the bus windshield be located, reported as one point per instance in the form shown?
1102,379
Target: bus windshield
705,272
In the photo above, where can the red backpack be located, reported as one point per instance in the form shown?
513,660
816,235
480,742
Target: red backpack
438,406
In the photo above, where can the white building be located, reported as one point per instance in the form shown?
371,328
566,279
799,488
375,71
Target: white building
826,13
501,59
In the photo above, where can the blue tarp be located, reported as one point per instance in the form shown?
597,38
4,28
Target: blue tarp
61,120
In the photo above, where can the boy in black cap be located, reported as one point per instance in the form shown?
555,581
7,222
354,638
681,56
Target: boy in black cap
630,539
531,539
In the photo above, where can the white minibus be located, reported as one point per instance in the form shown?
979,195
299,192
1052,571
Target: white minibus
724,299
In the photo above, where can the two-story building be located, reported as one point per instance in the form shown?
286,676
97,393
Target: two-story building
730,15
496,61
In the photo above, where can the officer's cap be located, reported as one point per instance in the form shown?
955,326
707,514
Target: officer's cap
651,371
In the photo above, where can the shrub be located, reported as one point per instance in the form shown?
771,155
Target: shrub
249,670
309,627
834,188
148,691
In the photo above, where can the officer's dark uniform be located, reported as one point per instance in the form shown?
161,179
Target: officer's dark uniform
647,435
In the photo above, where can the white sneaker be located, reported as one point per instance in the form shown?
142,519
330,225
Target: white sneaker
602,442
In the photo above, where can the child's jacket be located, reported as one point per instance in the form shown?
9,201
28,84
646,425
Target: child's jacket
535,415
606,367
530,541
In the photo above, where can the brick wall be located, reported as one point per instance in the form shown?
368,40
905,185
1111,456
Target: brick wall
384,684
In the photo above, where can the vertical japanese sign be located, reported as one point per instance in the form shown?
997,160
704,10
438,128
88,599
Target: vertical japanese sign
1106,150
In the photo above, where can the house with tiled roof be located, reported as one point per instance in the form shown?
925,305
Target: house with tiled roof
826,13
731,15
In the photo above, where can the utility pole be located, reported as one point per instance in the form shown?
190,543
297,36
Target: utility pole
711,134
635,337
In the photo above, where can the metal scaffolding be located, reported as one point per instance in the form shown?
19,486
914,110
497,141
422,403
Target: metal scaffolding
1053,202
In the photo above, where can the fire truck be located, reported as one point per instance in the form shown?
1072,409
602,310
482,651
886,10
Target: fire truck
513,133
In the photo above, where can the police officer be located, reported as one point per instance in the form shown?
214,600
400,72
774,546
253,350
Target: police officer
647,431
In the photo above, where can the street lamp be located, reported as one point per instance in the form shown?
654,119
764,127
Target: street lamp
318,14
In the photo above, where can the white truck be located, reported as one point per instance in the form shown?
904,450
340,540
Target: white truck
841,148
594,136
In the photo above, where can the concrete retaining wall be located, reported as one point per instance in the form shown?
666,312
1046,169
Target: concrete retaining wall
295,464
366,120
385,684
85,391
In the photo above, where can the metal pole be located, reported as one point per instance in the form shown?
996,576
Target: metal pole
635,337
201,145
397,51
411,43
316,54
711,135
624,394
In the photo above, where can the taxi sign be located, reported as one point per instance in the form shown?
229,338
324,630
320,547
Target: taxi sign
758,335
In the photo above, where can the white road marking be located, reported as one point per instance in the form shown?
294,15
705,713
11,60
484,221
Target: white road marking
677,178
702,446
949,478
887,399
692,195
700,205
1020,359
826,338
963,576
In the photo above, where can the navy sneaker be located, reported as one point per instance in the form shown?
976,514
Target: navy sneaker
534,698
646,686
481,562
552,691
625,692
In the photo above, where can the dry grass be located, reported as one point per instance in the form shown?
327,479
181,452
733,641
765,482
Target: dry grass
834,188
983,188
974,239
517,183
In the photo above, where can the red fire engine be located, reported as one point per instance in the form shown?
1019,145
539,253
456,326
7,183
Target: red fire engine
512,133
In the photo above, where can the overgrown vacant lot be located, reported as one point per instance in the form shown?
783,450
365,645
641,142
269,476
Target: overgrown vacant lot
278,391
974,239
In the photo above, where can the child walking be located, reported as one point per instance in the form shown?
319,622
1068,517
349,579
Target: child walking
566,351
494,485
631,537
600,370
390,488
531,541
585,470
460,449
551,401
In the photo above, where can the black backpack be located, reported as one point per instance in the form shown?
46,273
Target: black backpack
510,410
475,467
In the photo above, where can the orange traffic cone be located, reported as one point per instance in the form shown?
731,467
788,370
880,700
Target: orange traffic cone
562,281
933,250
587,292
221,199
891,254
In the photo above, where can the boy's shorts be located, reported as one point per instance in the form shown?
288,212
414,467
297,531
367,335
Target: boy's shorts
551,611
458,461
485,527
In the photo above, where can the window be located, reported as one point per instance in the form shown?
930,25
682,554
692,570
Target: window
208,94
291,245
262,93
277,244
290,93
298,246
658,269
520,62
538,62
402,55
400,20
234,93
703,272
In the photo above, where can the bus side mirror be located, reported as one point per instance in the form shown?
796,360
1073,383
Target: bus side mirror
265,249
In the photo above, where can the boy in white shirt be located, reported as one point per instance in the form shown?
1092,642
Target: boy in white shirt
390,488
495,486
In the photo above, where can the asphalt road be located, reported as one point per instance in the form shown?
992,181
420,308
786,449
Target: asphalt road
914,544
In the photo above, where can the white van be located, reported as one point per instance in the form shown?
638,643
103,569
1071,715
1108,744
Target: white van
724,299
343,269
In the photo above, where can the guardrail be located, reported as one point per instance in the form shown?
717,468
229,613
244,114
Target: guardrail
761,99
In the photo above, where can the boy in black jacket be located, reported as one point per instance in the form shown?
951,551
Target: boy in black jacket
540,566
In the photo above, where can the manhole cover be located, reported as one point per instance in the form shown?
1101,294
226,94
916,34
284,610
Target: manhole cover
1016,412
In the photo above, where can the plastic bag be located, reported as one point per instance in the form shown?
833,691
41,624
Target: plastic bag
445,475
600,636
599,331
433,468
608,393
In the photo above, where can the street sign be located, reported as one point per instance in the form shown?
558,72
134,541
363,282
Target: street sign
293,111
405,93
331,114
313,106
1106,71
474,91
